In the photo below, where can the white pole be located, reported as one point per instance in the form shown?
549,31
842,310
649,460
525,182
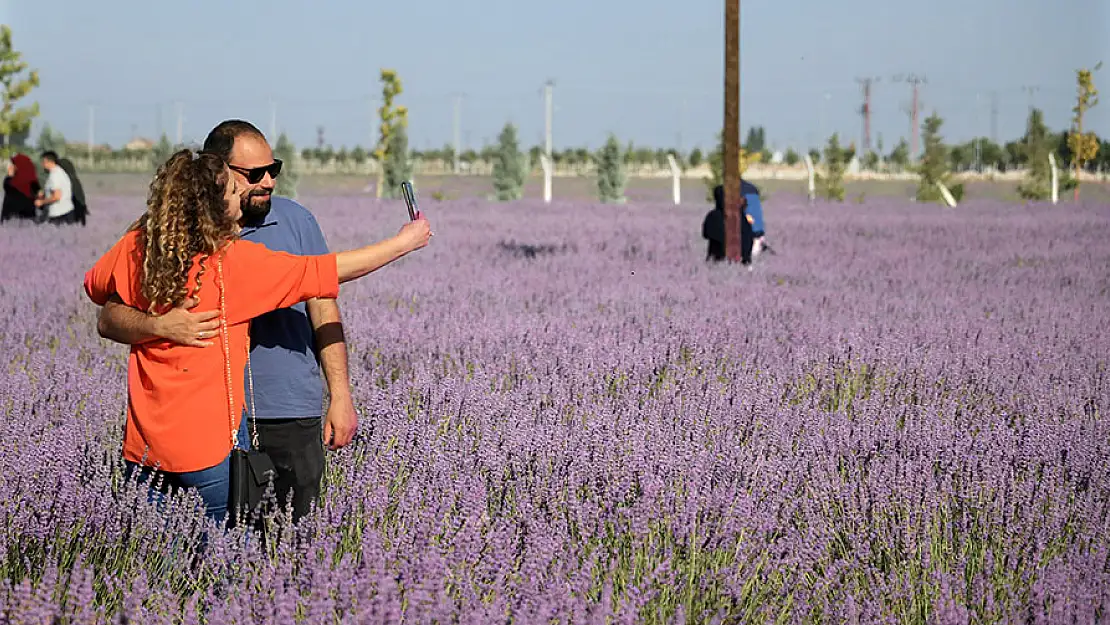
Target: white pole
273,120
548,109
676,179
92,130
458,130
545,163
812,185
180,122
1055,178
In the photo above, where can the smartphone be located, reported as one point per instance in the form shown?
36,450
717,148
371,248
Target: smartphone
410,199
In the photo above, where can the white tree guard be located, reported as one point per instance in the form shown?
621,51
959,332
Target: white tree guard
676,179
545,163
1055,178
946,194
812,184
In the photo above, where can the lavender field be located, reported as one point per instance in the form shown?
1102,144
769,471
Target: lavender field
568,417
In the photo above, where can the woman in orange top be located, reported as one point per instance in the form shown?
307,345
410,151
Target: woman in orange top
185,405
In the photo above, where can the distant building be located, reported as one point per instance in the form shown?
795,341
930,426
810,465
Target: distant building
139,144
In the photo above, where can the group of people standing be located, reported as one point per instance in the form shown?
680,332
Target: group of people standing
59,200
751,224
226,295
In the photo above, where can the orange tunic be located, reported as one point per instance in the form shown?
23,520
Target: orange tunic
177,413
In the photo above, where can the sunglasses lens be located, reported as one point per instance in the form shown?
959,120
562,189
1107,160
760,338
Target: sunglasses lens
254,176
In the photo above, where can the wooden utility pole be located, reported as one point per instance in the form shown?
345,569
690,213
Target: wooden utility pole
731,164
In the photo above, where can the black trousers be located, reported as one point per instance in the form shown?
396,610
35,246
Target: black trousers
297,448
63,220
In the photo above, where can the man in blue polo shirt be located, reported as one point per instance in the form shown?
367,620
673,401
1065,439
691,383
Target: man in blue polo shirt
288,346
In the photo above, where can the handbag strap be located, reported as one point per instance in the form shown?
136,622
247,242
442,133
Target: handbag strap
253,422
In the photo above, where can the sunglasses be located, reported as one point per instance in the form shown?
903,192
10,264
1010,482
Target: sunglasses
254,175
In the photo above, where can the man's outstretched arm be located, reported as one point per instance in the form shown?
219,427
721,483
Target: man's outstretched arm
341,420
130,326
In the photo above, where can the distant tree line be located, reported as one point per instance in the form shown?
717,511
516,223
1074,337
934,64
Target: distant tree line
980,154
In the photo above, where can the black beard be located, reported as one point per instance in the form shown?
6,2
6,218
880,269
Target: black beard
253,211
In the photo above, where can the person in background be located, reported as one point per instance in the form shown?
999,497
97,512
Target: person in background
185,405
80,208
57,196
21,188
713,228
289,346
754,210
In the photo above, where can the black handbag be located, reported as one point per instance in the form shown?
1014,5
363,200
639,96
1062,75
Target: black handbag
252,471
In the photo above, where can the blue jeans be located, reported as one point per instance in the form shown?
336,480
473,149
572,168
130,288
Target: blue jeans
212,484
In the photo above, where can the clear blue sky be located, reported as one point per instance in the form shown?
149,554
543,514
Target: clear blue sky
648,70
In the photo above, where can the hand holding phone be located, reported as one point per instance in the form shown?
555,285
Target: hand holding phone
410,199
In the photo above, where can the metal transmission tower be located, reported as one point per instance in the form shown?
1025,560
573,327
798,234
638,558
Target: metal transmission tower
1031,90
914,109
865,111
320,137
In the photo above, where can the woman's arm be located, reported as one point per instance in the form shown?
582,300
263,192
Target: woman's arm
354,264
261,280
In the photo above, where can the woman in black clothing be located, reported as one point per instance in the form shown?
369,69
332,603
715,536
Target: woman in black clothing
21,187
713,229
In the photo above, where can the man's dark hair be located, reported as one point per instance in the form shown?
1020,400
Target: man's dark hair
222,138
51,154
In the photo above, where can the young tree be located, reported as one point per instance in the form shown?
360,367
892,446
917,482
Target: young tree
836,161
900,155
610,172
695,157
398,166
1033,150
756,140
1084,147
870,161
359,155
509,168
161,151
51,140
390,118
934,166
534,154
791,157
287,181
15,120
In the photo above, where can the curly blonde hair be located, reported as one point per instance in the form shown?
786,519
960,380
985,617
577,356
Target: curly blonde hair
186,220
